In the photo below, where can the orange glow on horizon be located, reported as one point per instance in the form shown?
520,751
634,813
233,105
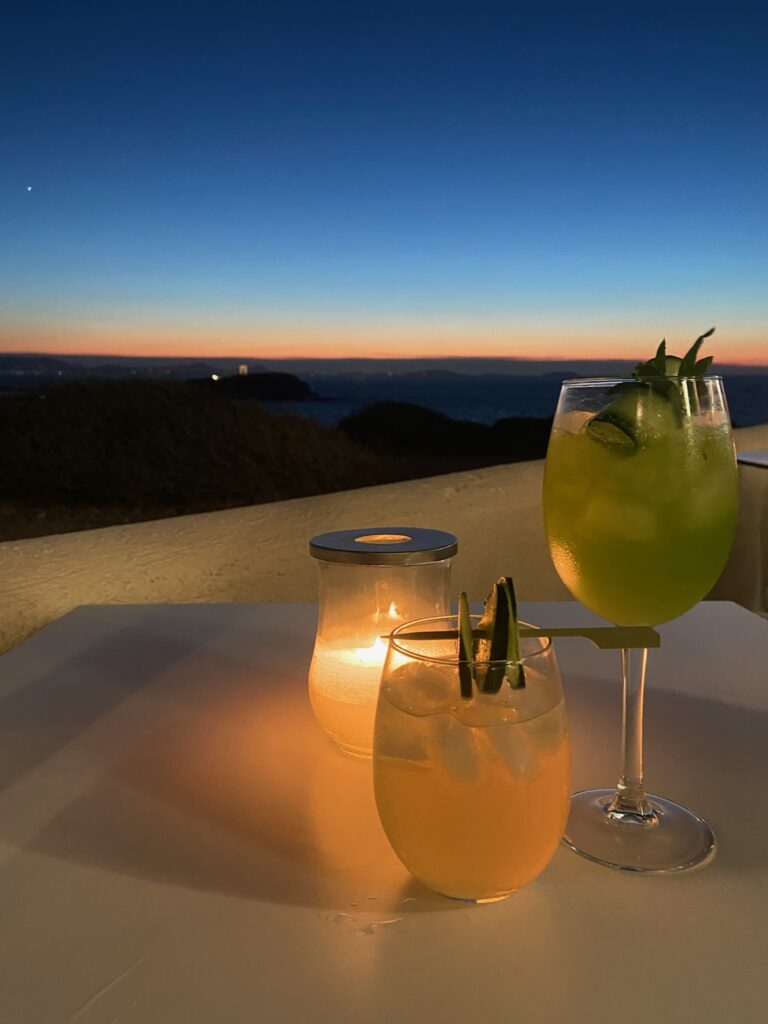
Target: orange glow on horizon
380,341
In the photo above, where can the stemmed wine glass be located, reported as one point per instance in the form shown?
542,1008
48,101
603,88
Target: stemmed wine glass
640,504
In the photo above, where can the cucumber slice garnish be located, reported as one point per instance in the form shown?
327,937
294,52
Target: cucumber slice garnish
515,672
495,655
493,646
484,642
500,641
466,648
639,413
616,434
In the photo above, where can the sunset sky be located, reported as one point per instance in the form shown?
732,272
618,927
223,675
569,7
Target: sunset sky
383,178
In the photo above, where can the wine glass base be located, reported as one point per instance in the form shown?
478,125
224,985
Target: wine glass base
671,839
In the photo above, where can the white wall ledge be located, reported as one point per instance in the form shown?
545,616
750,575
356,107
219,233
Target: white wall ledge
259,553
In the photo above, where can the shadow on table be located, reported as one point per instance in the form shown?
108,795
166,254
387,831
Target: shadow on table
706,755
217,778
52,711
242,796
214,777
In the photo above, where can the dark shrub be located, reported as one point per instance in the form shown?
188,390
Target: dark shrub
171,443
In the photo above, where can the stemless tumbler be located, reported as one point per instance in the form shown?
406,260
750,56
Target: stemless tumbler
472,793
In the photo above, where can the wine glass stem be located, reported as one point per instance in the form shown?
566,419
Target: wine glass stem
630,802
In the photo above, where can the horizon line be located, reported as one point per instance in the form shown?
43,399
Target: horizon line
349,358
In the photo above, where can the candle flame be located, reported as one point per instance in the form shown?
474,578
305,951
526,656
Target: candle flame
373,655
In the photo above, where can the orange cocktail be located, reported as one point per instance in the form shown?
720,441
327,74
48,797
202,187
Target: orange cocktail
472,793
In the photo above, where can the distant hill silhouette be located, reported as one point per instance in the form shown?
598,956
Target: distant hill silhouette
398,428
266,387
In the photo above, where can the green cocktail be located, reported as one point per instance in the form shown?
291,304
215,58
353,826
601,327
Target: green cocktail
639,537
640,506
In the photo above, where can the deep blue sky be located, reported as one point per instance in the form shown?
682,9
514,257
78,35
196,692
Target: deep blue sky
384,177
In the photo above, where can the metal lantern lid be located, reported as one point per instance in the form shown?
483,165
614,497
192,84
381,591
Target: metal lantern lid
384,545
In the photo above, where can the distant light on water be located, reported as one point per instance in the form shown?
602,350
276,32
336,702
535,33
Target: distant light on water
214,376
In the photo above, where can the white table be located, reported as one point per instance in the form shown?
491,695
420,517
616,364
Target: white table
758,458
179,843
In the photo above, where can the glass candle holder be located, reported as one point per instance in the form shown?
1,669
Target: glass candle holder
371,580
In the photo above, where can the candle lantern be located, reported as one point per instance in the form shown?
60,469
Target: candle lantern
371,580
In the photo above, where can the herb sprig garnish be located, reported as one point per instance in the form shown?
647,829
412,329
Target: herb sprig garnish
661,393
663,365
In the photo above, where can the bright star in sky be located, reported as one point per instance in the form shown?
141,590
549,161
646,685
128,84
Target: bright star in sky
29,188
